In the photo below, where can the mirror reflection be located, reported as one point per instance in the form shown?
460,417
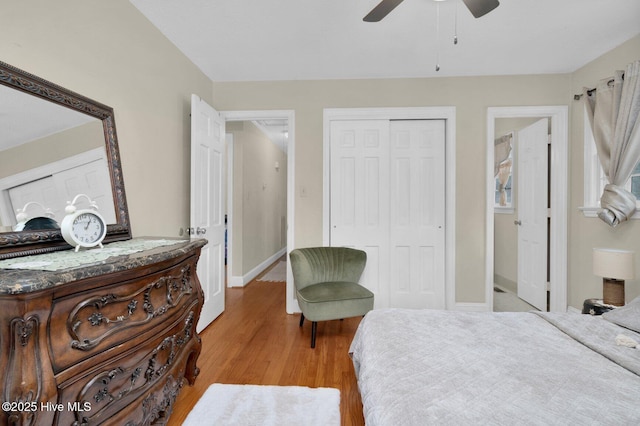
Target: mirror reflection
54,145
48,154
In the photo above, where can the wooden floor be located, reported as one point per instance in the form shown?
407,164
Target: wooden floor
256,342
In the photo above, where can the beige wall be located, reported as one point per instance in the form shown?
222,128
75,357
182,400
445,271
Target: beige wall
51,148
470,96
108,51
259,197
587,233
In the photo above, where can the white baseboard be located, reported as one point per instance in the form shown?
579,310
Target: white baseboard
241,281
472,307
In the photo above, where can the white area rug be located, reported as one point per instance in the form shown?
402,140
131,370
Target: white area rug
277,273
249,405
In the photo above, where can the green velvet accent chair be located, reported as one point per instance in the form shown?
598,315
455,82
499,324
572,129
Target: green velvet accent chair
326,282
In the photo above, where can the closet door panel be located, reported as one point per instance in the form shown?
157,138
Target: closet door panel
360,196
417,204
388,198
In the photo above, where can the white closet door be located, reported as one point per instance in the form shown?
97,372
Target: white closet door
43,191
54,191
91,179
417,219
388,198
360,197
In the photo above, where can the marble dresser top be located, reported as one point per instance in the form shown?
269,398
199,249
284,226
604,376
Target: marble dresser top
32,273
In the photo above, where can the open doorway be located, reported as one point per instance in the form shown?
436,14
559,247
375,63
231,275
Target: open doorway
557,199
274,227
521,206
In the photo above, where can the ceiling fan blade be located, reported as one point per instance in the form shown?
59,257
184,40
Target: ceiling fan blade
480,8
381,10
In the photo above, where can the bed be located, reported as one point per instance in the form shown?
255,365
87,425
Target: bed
424,367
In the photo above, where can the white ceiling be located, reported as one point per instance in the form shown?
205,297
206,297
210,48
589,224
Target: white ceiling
244,40
277,130
24,118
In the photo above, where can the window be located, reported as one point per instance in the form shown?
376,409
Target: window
505,205
595,179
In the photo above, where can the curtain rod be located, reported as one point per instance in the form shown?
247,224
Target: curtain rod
590,91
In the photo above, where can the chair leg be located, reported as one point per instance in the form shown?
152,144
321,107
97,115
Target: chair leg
314,327
301,319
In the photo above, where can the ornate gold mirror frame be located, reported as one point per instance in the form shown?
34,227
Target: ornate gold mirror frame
14,244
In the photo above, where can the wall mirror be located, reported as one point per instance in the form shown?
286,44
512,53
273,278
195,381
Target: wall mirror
54,144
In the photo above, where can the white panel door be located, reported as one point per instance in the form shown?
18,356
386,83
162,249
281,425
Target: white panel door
41,191
360,197
417,204
388,198
91,179
207,208
532,213
54,191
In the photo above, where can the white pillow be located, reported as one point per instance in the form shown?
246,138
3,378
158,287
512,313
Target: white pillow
627,316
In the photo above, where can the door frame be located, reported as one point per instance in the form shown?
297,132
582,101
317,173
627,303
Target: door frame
291,302
558,167
447,113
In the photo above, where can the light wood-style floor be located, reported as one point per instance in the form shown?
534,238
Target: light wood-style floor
255,341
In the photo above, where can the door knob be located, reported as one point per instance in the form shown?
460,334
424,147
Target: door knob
196,231
517,222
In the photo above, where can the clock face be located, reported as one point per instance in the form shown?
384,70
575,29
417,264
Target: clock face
87,228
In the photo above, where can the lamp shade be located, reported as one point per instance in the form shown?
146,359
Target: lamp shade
612,263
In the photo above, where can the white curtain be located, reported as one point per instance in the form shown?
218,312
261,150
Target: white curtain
502,167
613,110
501,151
503,177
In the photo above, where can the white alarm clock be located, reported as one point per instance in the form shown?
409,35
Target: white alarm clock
83,227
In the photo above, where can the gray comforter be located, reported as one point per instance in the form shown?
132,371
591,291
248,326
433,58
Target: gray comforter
426,367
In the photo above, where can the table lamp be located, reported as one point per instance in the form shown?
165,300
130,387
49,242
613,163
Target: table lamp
614,266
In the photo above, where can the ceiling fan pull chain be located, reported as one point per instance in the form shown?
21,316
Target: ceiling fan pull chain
455,25
437,36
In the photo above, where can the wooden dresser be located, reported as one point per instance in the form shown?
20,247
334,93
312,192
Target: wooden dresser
110,342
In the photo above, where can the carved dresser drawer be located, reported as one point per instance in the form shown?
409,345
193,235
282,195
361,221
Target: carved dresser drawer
96,320
106,343
130,376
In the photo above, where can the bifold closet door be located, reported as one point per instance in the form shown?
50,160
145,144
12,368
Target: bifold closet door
417,214
360,197
387,198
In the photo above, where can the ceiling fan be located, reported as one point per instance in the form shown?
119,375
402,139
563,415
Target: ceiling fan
477,8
